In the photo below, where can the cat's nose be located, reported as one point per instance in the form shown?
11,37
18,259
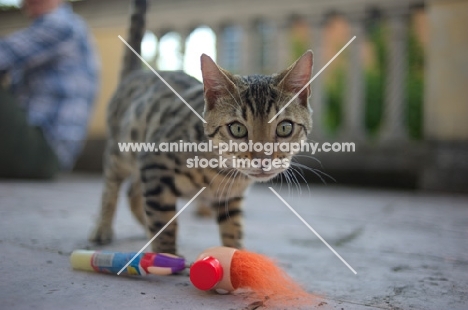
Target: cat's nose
261,156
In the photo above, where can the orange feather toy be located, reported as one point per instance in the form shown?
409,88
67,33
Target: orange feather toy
226,269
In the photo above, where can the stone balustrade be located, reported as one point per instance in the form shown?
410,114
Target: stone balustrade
393,151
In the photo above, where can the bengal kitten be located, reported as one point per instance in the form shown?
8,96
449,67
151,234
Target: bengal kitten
237,108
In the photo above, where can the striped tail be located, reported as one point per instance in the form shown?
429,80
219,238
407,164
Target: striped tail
135,35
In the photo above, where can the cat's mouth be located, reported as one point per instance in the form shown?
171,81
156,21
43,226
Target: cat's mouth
260,176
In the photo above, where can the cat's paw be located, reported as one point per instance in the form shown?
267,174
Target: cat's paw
101,235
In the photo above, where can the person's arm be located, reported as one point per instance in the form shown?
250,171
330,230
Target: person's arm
34,45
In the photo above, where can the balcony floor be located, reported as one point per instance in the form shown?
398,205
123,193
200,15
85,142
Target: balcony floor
410,250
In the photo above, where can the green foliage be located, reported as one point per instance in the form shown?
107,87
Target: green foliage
298,46
375,81
374,100
414,83
375,84
334,98
7,7
415,87
374,88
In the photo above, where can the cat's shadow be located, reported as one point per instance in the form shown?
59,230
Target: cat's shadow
116,244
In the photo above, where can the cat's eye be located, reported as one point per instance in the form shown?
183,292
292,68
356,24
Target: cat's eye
238,130
284,129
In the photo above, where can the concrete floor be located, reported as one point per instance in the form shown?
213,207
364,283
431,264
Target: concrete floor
410,250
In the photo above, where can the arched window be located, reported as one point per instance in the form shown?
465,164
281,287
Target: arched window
170,56
201,40
265,34
232,41
149,47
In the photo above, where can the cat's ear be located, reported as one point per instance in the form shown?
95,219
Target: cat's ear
216,81
297,76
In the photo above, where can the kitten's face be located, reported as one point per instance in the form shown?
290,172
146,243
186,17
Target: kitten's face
238,109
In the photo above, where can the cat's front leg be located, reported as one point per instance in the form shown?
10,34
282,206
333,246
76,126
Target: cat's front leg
160,195
229,217
114,175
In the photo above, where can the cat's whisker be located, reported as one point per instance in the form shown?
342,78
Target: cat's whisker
281,178
223,181
288,181
226,183
228,176
226,206
300,173
309,139
310,169
316,172
219,185
274,179
311,157
296,181
218,173
293,183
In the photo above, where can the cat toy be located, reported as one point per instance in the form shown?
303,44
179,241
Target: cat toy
227,269
221,269
113,262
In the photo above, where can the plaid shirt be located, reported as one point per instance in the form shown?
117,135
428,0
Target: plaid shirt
54,74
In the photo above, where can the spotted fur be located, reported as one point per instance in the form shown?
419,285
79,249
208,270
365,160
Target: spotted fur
144,109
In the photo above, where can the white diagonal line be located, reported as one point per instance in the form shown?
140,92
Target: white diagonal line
163,80
313,230
161,230
313,78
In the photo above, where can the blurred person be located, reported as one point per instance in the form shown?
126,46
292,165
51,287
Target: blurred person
53,73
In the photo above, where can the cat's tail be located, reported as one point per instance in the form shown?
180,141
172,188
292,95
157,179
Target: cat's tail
135,35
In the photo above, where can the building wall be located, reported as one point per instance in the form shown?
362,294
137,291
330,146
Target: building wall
110,50
391,155
447,71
